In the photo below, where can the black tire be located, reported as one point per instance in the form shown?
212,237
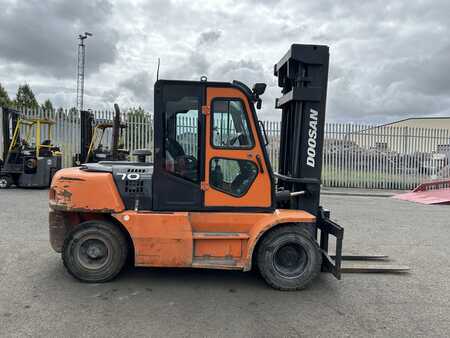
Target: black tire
95,251
289,258
6,181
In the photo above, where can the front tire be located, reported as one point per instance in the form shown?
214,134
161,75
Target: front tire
289,258
95,251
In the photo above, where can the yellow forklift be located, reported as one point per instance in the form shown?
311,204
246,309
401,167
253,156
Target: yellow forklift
94,139
29,159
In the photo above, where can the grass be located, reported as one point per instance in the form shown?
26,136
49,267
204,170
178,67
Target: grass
334,177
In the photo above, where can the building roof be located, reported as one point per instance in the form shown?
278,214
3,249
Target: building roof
416,118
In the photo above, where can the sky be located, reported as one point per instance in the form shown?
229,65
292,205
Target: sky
389,60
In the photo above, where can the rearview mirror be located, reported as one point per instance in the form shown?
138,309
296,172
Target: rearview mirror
259,89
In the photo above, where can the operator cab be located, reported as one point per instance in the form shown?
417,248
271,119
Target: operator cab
209,151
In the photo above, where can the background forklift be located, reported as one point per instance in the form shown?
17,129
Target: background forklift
217,204
23,163
95,136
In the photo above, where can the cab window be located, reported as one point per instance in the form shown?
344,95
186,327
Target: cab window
232,176
230,125
181,137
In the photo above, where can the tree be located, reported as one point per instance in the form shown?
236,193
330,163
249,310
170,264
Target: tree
72,112
47,106
139,111
60,112
25,98
4,97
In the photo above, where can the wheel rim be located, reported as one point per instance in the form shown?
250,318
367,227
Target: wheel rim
3,182
93,253
290,260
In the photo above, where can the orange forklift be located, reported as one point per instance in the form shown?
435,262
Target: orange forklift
216,204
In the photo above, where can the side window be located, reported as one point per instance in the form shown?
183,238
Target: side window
232,176
230,125
181,137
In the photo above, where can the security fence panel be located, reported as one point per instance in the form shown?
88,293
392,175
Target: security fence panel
354,155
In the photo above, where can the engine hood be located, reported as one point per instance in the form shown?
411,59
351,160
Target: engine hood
106,187
76,190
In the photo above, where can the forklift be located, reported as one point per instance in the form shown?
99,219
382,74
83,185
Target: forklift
26,163
94,135
217,204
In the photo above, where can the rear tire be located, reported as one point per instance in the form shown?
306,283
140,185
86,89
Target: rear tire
5,181
95,251
289,258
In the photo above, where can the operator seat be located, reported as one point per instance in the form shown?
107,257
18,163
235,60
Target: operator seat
185,165
46,151
174,148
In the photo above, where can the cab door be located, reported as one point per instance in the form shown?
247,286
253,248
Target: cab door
177,172
236,172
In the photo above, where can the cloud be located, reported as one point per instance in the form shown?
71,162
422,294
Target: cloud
249,71
140,85
41,35
419,74
387,60
136,90
194,63
208,37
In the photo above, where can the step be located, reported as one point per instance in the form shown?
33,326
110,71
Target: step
220,235
217,263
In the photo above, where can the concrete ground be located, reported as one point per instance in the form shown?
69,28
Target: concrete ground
38,297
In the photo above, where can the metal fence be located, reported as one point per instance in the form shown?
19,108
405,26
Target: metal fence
354,156
385,157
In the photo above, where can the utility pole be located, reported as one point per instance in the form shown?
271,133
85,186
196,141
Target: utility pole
80,70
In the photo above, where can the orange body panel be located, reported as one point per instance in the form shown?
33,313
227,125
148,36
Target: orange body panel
218,248
177,239
250,225
160,239
259,194
76,190
280,216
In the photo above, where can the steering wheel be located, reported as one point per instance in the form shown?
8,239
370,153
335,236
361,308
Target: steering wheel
186,165
186,162
190,162
231,140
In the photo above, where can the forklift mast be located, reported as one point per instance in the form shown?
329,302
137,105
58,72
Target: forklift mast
8,124
115,134
302,74
87,122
